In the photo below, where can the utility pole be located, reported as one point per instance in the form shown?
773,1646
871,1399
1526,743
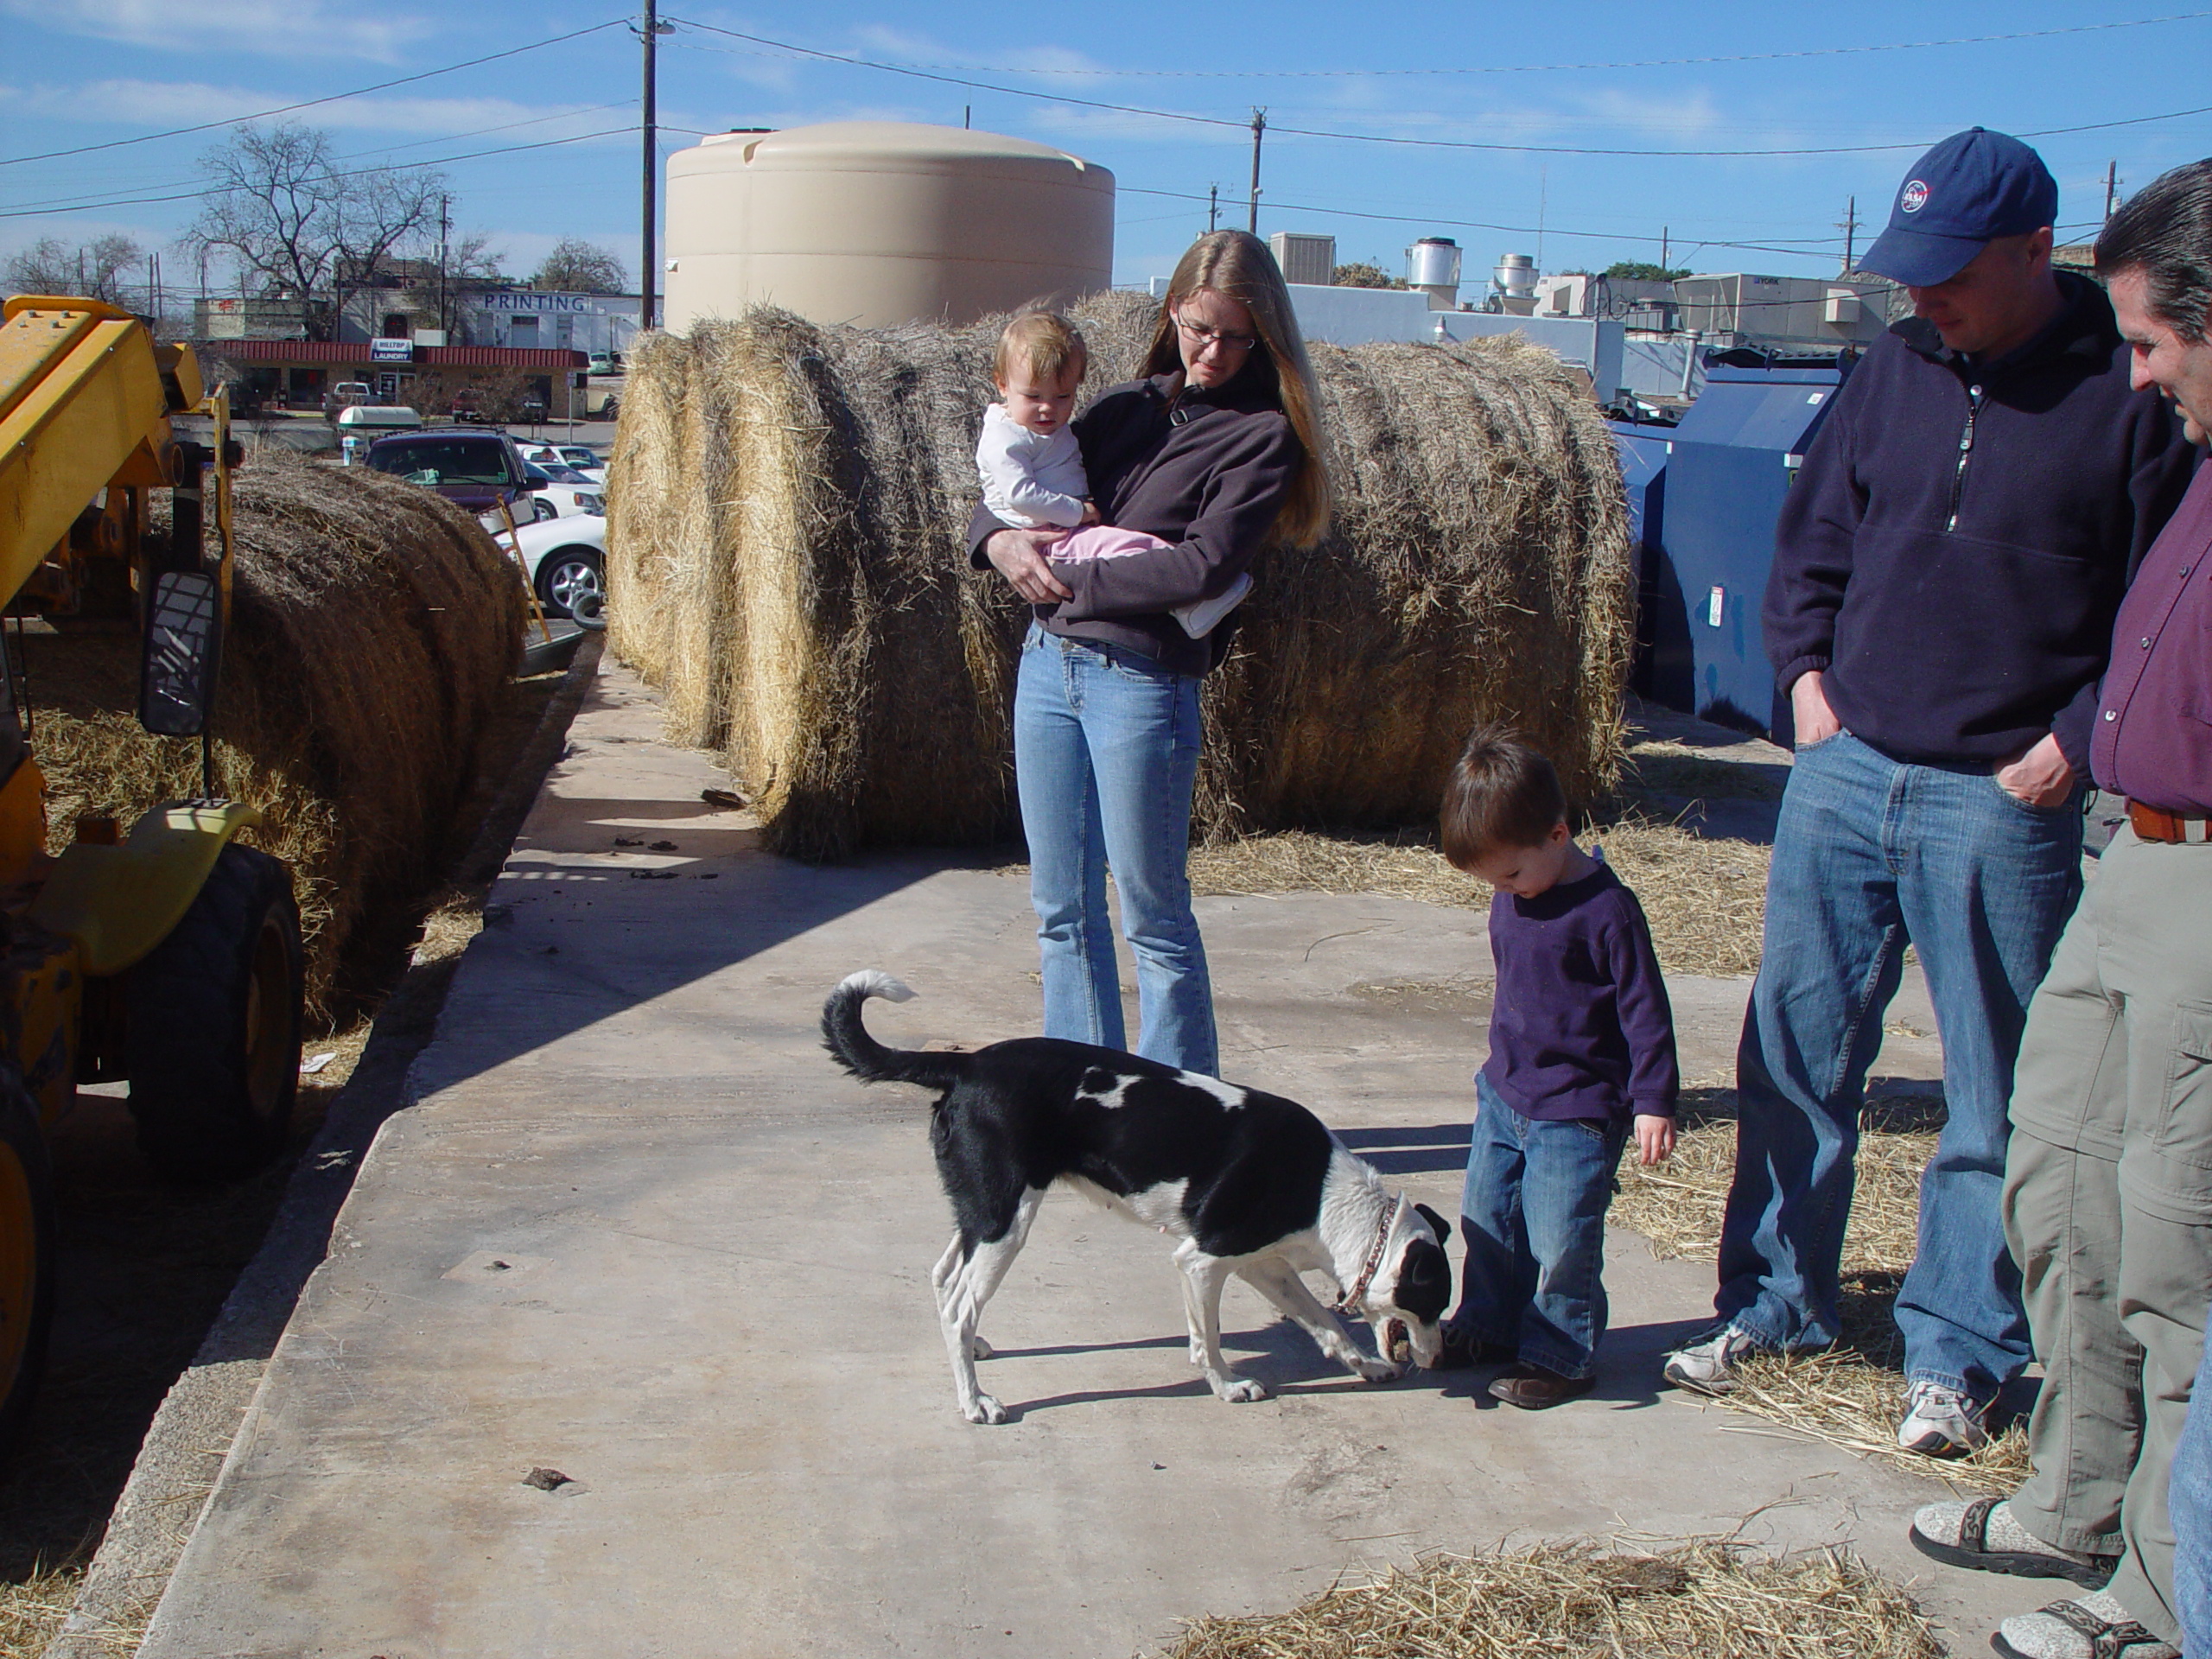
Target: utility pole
2112,188
1849,225
648,265
1213,208
967,117
1663,263
445,235
1259,127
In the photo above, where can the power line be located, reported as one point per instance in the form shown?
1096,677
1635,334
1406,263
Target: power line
1378,139
72,204
1546,68
438,161
308,104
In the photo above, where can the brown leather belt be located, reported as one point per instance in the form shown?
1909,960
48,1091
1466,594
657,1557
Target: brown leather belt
2151,823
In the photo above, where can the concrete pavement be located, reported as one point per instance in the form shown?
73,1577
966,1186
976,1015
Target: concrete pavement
636,1230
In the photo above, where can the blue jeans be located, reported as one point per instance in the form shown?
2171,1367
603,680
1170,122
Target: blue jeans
1105,754
1533,1216
1871,853
2189,1498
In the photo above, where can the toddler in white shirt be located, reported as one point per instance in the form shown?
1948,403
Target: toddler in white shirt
1032,466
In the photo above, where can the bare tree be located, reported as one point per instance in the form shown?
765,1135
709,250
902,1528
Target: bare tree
577,266
94,270
284,208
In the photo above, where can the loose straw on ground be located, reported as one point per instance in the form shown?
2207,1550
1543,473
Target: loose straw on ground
1698,1601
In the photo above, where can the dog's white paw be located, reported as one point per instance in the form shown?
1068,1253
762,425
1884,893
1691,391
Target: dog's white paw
1377,1370
979,1348
986,1410
1241,1392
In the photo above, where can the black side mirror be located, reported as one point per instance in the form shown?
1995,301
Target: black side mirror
176,682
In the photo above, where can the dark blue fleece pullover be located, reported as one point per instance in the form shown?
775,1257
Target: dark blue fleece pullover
1954,550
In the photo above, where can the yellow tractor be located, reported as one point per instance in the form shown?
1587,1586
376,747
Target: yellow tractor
168,956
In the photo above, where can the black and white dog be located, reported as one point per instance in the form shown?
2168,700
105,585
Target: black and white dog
1249,1183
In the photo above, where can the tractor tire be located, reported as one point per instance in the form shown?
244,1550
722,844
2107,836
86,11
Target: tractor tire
212,1019
27,1244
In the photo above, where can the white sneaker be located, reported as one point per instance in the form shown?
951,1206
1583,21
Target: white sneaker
1708,1365
1939,1422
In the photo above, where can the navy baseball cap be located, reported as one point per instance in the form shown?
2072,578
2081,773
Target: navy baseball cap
1972,188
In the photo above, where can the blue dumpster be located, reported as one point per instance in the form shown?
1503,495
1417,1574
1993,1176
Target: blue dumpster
1644,450
1732,461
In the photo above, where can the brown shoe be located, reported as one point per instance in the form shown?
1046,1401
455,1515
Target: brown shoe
1532,1387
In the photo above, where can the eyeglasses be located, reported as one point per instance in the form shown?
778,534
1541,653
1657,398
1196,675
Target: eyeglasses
1202,339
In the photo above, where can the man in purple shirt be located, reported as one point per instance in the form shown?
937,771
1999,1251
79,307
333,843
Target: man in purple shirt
2108,1179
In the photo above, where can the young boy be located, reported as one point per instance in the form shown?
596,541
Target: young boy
1032,466
1581,1055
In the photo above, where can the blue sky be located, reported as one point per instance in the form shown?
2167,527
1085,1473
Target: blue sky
80,72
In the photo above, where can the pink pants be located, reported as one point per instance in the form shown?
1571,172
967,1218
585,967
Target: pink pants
1103,542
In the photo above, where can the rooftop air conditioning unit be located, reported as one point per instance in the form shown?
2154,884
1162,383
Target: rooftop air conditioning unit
1843,307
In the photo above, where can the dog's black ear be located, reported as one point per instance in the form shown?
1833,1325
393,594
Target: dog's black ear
1443,1226
1424,1285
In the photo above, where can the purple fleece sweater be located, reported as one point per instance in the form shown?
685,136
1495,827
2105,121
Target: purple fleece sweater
1582,1027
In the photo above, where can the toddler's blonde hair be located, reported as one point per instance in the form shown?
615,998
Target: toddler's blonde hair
1044,343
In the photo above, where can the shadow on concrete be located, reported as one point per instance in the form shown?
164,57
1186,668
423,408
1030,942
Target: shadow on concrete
552,984
1437,1149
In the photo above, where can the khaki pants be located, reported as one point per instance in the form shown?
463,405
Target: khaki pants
2108,1209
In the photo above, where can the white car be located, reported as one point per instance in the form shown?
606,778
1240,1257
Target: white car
562,491
575,456
565,560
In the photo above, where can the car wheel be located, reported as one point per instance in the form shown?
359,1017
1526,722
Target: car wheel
212,1026
542,509
573,584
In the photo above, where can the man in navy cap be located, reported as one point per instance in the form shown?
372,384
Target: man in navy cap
1946,571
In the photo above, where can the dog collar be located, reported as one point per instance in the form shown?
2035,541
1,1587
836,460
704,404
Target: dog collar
1348,1302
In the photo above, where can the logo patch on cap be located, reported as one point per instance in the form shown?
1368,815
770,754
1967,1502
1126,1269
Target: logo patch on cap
1915,196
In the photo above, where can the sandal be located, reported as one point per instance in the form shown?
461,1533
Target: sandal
1969,1547
2079,1630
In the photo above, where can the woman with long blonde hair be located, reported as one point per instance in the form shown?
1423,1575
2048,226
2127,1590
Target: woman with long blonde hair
1217,452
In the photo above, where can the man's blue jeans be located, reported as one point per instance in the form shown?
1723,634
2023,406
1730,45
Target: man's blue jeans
1533,1213
1870,854
2189,1498
1105,754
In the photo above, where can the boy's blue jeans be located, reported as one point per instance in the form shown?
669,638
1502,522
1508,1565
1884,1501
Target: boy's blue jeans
1532,1215
1105,755
1871,853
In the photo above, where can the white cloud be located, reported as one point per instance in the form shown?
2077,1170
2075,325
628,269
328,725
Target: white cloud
159,103
270,28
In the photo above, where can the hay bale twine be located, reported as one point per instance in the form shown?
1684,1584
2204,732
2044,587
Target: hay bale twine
806,604
373,625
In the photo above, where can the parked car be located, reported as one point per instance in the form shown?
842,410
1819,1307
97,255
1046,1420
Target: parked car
575,457
480,468
566,491
346,394
566,560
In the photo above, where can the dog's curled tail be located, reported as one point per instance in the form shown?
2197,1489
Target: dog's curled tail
847,1040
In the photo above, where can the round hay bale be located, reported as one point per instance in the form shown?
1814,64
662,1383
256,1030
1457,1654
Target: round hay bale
372,625
791,504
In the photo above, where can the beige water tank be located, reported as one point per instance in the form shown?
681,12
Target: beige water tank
878,223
